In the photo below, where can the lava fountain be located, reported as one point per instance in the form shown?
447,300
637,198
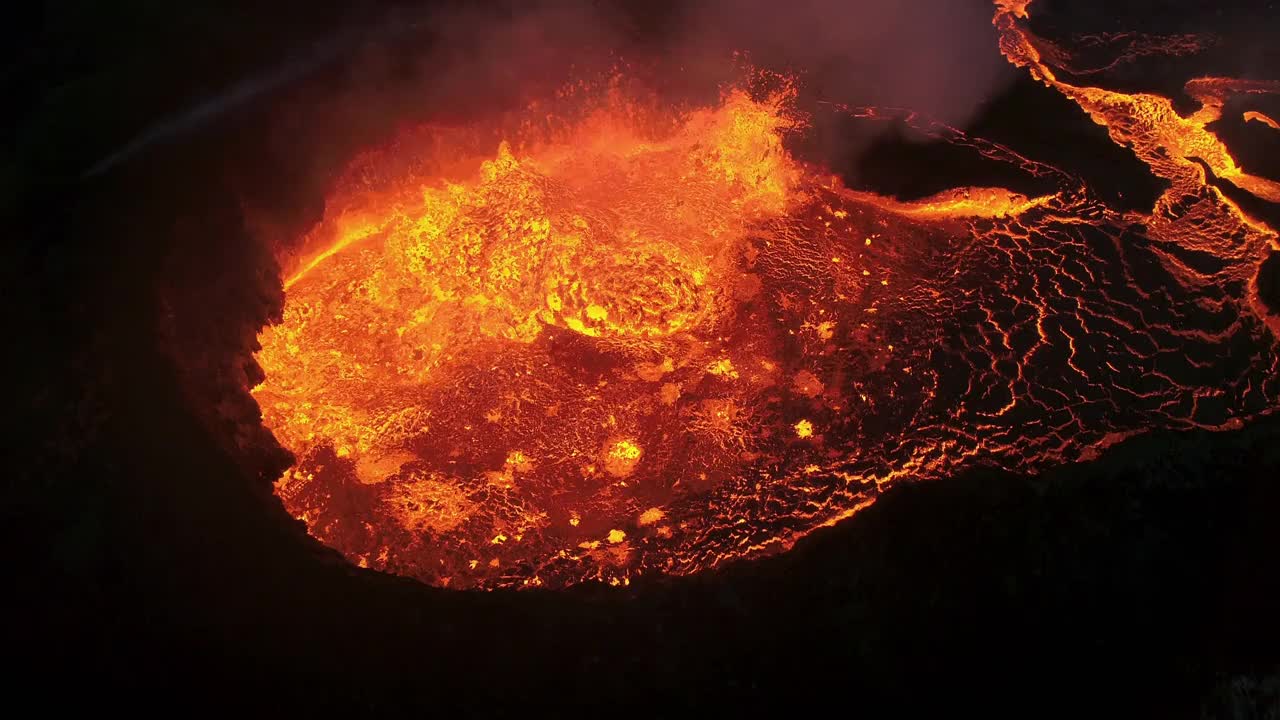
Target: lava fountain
649,340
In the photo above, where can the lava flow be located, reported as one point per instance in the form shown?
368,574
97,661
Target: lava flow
653,341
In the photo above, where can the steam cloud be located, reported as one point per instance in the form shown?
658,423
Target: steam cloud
939,57
934,56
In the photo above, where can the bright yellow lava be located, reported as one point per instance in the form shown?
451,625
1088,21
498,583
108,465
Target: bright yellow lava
804,429
628,239
424,345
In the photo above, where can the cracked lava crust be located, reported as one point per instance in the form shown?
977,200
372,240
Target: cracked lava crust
648,340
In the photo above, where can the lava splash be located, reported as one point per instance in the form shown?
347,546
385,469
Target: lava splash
653,341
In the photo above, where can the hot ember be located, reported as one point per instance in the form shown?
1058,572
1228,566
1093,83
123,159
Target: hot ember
649,342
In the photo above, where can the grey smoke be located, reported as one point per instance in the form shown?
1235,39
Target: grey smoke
938,57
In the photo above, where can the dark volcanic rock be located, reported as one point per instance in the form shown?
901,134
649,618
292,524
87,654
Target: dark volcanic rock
1269,282
1253,144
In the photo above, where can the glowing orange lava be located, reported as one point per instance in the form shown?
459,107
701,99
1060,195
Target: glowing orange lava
1255,116
652,341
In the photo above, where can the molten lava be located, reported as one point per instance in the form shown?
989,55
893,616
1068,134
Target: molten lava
650,342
